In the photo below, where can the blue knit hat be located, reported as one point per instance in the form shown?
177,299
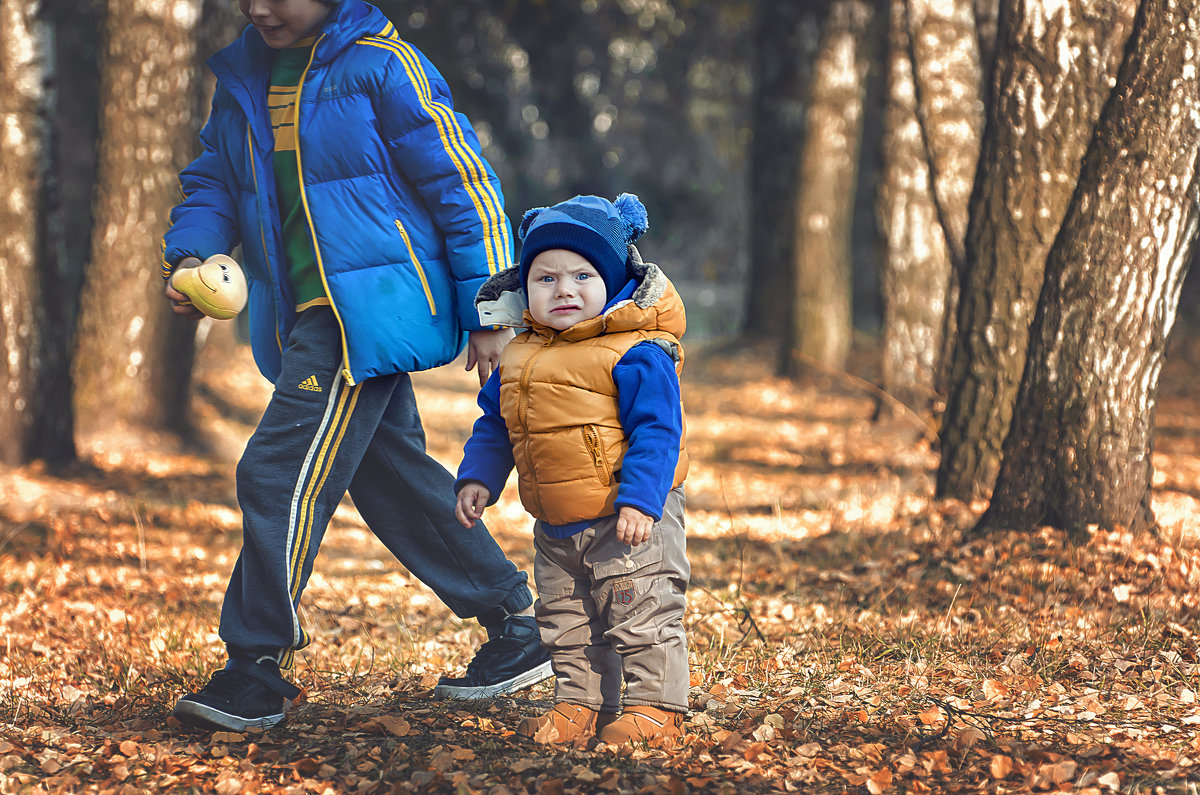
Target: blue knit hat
596,229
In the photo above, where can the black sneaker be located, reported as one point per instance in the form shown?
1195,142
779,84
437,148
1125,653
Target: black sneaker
512,659
242,695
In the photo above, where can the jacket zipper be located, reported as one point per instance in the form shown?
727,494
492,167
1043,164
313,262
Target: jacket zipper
312,229
591,437
262,230
417,264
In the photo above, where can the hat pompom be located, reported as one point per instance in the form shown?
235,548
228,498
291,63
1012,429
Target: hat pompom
634,220
527,220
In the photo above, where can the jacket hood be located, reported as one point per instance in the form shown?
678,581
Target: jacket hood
652,304
348,21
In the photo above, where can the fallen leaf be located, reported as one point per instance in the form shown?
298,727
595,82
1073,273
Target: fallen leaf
306,766
546,733
1000,767
931,715
968,737
386,724
993,690
1060,772
880,782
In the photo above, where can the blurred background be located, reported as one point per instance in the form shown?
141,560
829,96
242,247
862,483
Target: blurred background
868,188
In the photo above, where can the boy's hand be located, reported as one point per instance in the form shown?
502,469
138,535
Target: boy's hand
633,526
179,302
472,498
484,348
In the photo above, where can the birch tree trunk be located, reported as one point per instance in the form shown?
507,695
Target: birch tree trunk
1054,70
35,421
931,145
133,361
1079,451
821,320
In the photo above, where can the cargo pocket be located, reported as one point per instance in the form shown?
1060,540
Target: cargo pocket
626,574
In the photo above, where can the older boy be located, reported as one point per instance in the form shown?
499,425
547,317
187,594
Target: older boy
367,220
585,405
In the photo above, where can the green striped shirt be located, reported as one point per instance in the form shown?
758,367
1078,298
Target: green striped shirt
286,74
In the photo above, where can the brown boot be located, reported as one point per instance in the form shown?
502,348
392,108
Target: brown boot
564,723
640,723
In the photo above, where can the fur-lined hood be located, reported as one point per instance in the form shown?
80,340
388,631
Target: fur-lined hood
654,303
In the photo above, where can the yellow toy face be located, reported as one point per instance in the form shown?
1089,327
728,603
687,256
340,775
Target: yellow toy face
217,287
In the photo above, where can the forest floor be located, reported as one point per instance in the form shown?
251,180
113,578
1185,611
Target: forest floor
847,633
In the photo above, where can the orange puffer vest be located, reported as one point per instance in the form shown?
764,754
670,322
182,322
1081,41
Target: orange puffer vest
559,401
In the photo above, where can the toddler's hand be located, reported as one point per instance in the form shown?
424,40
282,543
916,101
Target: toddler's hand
633,526
484,349
472,498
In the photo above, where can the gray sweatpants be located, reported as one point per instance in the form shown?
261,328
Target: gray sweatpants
606,609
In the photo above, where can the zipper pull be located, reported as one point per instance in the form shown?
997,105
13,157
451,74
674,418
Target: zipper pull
593,444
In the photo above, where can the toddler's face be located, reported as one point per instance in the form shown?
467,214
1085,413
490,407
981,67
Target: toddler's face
282,23
564,289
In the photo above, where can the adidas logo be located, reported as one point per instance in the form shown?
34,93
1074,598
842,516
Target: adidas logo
310,384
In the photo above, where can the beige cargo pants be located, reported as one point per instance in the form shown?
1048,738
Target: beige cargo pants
608,611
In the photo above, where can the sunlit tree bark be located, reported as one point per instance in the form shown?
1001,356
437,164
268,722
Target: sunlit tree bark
948,81
916,268
931,146
821,319
1055,66
1079,451
133,358
35,421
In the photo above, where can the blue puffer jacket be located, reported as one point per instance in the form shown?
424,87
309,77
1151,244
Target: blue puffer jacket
407,217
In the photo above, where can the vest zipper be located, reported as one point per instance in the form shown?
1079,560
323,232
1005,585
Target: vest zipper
312,229
523,417
591,438
417,264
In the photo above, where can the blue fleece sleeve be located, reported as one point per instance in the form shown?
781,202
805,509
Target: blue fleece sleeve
488,454
648,402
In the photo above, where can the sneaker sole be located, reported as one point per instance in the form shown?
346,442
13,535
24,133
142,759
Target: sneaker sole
519,682
207,717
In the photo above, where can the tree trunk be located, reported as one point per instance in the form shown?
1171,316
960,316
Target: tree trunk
821,321
1051,78
916,268
930,150
1079,451
948,81
949,84
33,424
134,357
987,13
786,38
